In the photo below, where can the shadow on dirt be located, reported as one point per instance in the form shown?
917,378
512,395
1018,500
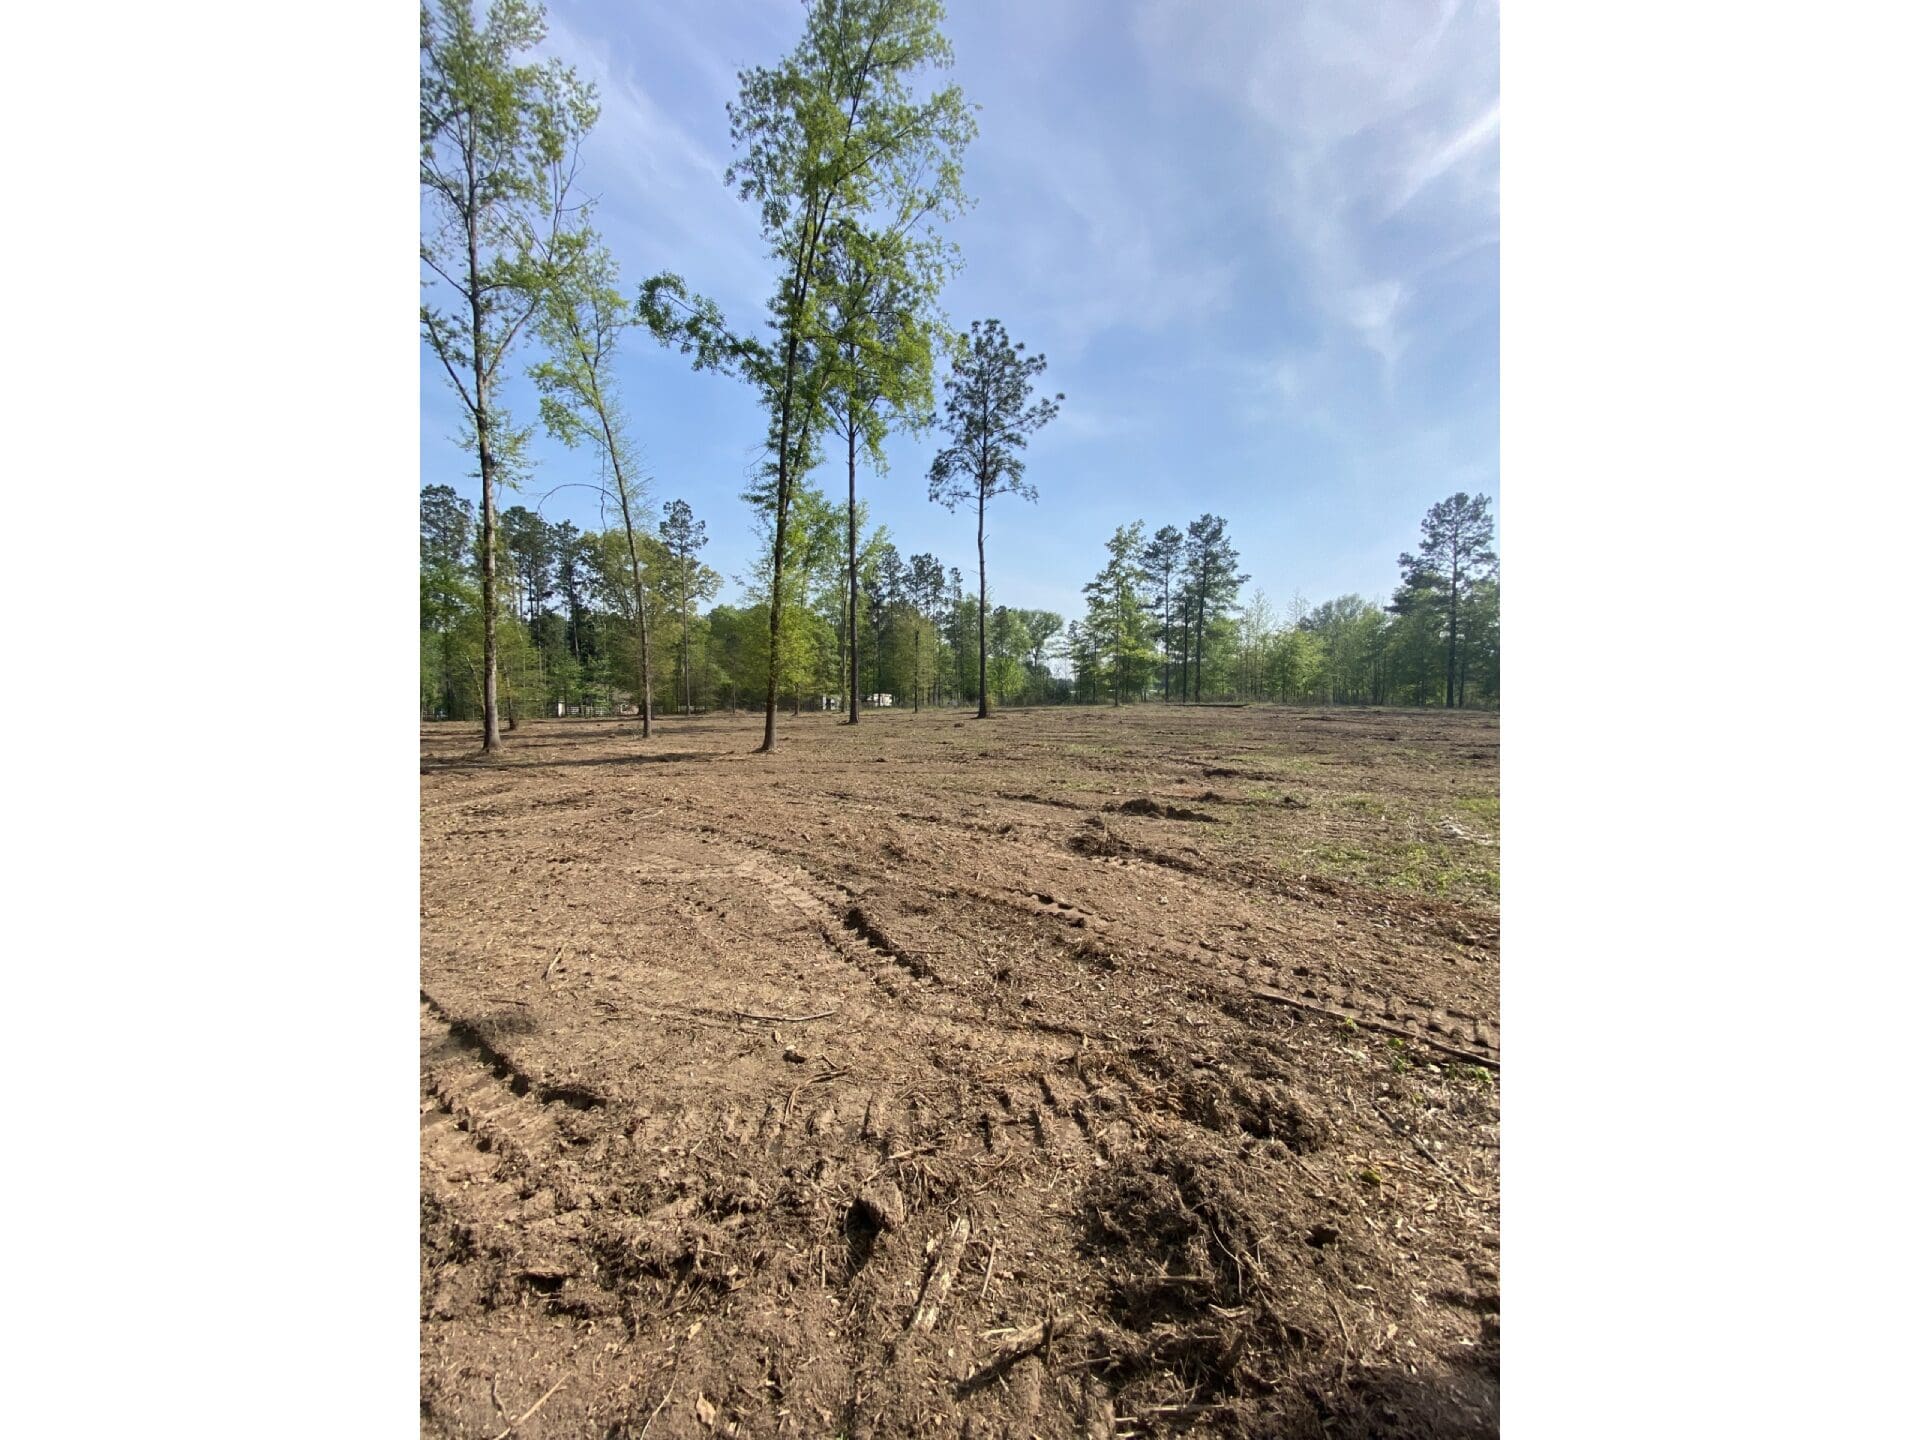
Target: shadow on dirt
661,757
1458,1402
1180,1238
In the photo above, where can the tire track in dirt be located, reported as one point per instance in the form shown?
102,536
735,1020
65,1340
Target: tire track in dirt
850,933
1032,1102
1237,974
497,1187
1234,974
1017,1095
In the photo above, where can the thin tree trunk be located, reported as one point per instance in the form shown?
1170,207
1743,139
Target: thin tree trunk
1453,627
773,606
1166,645
981,538
1183,650
489,597
779,547
802,279
853,589
1463,664
686,639
640,610
633,560
1200,636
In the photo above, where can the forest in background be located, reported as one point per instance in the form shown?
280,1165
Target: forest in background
1169,618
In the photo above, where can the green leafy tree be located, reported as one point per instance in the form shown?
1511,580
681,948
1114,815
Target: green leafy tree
869,582
1010,645
1116,625
731,636
569,582
685,537
1355,637
1480,640
1083,654
990,413
527,540
447,595
1255,635
580,323
617,558
884,578
1043,640
880,290
1294,665
832,135
1456,553
1213,587
446,527
498,137
925,586
1161,559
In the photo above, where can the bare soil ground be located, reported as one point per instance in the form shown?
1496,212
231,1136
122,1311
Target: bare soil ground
1076,1072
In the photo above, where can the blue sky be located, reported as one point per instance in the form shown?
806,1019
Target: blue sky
1258,243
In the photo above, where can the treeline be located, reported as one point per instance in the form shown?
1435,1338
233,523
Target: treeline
1165,620
567,637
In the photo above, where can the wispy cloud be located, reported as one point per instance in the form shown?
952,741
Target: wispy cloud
664,199
1372,310
1098,261
1357,111
1482,131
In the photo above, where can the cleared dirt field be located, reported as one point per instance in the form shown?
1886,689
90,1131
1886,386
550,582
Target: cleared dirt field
1076,1072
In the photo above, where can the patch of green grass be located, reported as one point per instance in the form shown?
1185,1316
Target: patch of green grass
1485,807
1363,804
1407,865
1343,857
1289,764
1433,869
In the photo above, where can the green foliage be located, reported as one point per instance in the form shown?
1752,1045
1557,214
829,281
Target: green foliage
848,167
1161,560
1439,579
990,413
498,138
1116,627
1210,589
446,527
499,135
1296,666
580,319
687,583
